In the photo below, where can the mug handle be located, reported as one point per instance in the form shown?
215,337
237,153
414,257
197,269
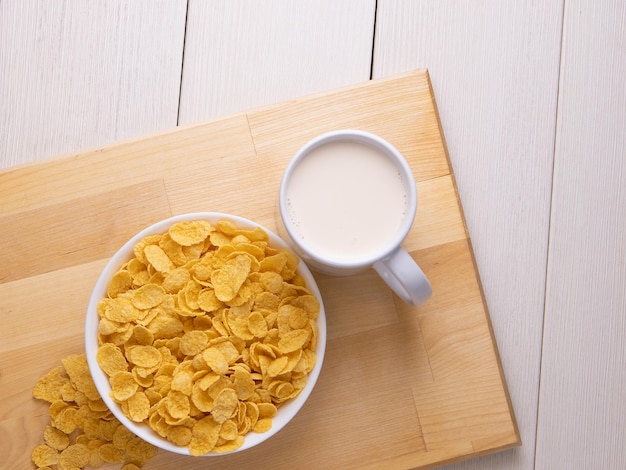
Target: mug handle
404,277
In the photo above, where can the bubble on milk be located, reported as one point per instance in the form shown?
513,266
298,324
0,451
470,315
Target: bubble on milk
405,197
293,218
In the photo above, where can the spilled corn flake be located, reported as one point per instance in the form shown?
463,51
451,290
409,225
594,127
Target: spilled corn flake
203,335
44,456
78,371
82,429
49,387
111,454
56,438
74,456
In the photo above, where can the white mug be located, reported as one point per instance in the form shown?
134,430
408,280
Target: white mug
347,201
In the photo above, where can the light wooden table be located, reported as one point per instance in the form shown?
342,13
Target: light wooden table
533,105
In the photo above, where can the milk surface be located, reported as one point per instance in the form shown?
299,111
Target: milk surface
346,201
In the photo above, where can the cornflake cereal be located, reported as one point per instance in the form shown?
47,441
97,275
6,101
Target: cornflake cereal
203,334
83,432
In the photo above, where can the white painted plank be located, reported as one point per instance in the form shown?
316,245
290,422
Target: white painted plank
582,406
244,54
79,74
494,67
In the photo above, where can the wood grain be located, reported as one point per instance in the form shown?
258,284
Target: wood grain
583,375
38,186
81,74
72,238
494,67
408,106
400,387
240,55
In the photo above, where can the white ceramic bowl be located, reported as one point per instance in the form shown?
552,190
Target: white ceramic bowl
285,412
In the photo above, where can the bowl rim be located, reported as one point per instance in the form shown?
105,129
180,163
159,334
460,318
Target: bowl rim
285,412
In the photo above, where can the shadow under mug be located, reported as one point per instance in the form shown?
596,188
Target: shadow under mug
315,172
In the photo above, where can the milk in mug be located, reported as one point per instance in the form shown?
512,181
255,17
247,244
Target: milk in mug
346,201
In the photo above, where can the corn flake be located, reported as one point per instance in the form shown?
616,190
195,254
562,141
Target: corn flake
138,407
215,360
148,296
204,436
225,405
74,456
120,283
190,232
158,259
123,386
49,387
44,455
55,438
263,425
121,310
110,453
229,446
179,435
78,371
111,359
228,280
193,342
147,357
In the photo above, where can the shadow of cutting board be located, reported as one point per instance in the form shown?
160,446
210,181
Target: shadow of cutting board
401,387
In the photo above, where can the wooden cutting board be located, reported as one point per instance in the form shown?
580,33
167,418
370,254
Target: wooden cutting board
401,387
